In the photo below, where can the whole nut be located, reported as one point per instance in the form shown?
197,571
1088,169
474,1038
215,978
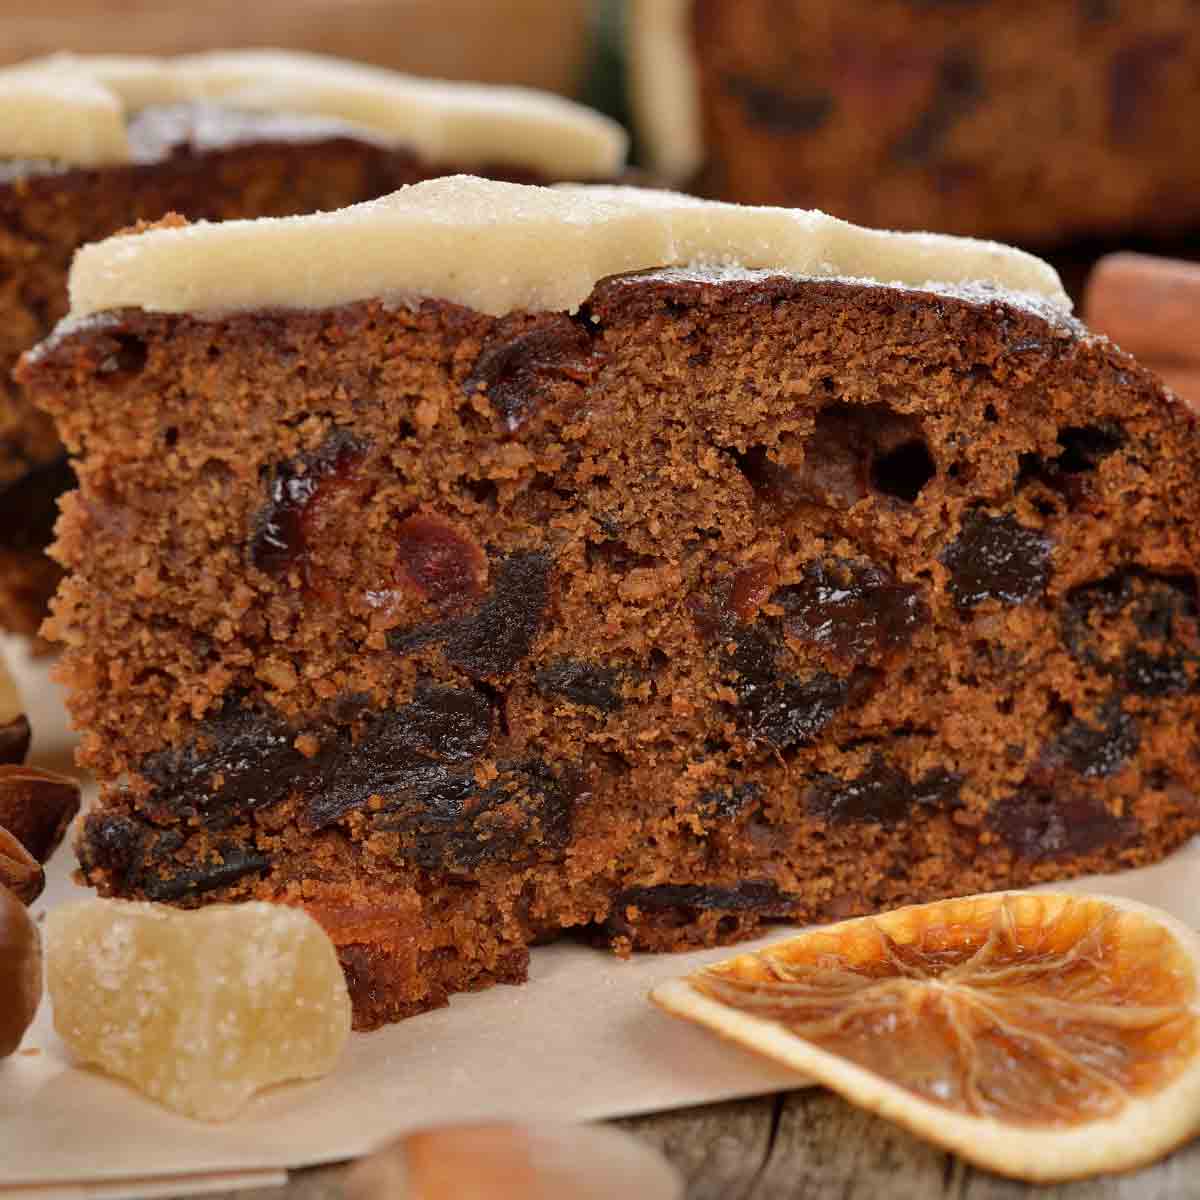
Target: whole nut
14,739
515,1162
14,728
20,872
20,972
36,807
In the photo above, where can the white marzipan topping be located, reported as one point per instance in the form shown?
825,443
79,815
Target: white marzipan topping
74,109
502,247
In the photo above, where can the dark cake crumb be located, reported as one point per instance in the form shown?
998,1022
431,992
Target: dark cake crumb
731,600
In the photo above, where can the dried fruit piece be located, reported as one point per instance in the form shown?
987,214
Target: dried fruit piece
996,558
1042,1036
291,523
20,872
440,561
201,1009
515,1162
20,971
36,807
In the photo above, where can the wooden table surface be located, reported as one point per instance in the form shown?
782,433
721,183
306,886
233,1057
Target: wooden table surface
810,1145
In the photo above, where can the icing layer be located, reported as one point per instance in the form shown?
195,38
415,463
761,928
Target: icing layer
74,109
502,247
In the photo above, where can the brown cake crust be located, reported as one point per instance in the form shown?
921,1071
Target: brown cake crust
725,600
201,161
1020,120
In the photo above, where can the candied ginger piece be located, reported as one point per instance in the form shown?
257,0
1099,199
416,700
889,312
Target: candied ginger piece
199,1010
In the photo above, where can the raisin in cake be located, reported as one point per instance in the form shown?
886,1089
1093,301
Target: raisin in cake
1032,120
488,561
90,145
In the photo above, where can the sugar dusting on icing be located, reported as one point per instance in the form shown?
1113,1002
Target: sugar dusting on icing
501,247
74,109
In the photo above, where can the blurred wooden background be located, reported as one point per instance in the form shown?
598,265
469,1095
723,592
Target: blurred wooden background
541,43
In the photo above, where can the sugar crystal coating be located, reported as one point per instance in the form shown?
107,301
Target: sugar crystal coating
198,1010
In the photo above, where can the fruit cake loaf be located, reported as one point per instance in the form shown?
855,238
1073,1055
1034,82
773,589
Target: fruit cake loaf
1031,120
489,561
90,145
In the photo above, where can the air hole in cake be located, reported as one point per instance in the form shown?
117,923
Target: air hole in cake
903,472
128,356
755,464
617,556
484,492
1085,446
171,437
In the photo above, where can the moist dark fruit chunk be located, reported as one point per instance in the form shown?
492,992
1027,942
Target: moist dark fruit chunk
997,558
225,863
290,522
586,683
421,750
517,366
490,641
1140,628
882,794
1095,750
244,760
853,608
724,804
136,856
457,825
761,895
785,710
440,560
1042,826
241,760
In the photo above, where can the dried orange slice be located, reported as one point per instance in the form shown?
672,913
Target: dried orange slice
1042,1036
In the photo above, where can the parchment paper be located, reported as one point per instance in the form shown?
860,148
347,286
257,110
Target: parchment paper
579,1041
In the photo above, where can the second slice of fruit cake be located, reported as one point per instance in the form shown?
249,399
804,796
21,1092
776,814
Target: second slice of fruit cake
489,561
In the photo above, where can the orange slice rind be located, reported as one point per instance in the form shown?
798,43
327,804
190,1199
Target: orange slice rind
1043,1036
